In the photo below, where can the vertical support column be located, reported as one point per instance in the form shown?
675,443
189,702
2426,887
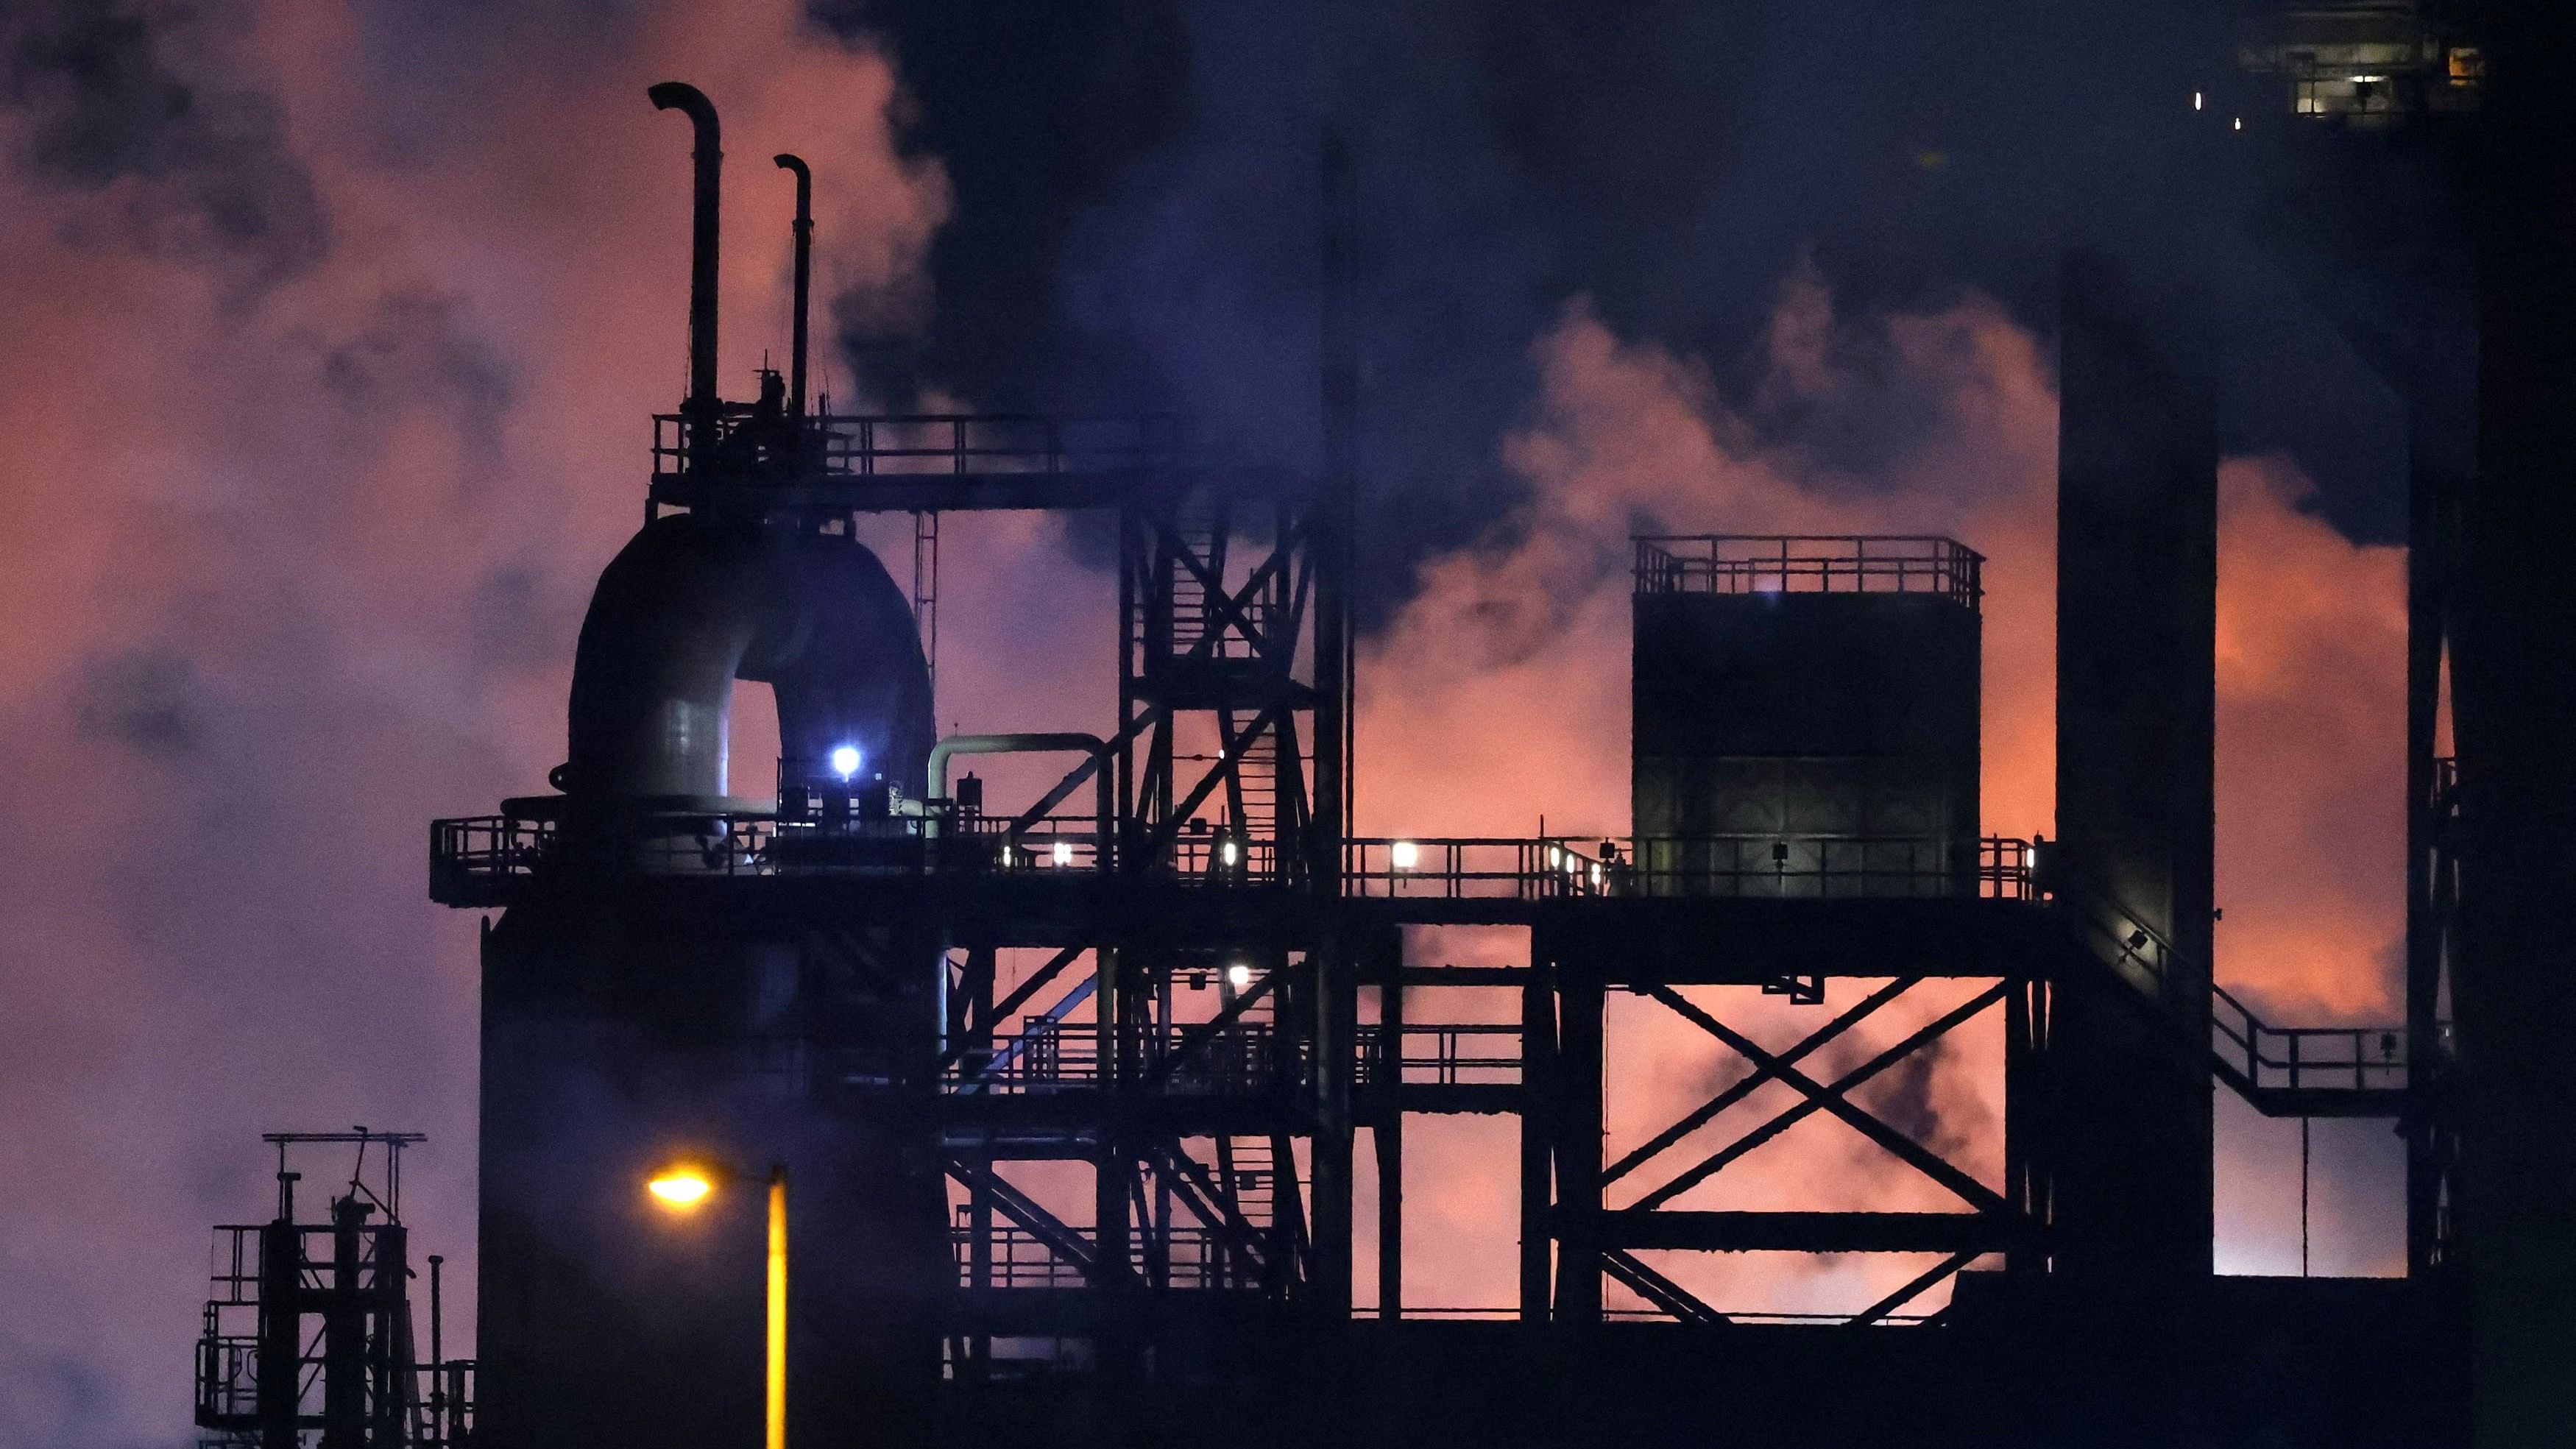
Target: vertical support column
925,591
1333,519
389,1348
1387,1077
979,1250
344,1333
975,1054
1127,784
1538,1113
1329,542
1111,1164
1578,1139
2441,460
1336,1015
2026,1107
2137,588
281,1338
2514,675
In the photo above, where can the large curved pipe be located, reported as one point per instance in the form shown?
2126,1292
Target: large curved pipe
709,156
804,275
688,607
847,667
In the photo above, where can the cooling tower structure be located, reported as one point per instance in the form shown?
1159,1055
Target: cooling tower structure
1037,1116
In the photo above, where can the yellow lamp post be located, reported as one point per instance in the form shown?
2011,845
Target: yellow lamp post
685,1186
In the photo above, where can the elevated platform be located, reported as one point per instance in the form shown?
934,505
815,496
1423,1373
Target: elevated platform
836,464
1048,883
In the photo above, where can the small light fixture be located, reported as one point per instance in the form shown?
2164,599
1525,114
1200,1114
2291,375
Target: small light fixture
1406,855
2195,100
1238,976
680,1189
2138,939
845,761
1063,853
1230,852
2240,123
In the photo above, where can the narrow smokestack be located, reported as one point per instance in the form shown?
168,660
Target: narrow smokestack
675,95
804,275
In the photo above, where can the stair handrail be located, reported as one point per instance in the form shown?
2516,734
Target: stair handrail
2136,949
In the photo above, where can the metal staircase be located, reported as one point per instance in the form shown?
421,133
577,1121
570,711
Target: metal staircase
2340,1071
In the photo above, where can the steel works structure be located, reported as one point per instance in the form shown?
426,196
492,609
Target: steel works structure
308,1325
826,978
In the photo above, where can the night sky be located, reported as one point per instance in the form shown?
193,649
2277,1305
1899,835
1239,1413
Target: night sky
333,326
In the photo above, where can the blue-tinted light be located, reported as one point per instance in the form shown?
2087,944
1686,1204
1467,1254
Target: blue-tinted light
845,761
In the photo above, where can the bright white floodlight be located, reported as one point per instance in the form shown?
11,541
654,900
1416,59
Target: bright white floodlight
1406,855
1063,853
1238,976
845,761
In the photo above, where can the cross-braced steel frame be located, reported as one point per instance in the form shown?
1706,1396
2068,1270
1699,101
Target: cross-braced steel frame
1205,1129
1573,1241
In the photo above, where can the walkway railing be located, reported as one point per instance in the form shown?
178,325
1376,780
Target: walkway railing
1440,1054
2259,1060
1186,1058
913,445
1795,564
2278,1058
1471,868
490,850
1180,1256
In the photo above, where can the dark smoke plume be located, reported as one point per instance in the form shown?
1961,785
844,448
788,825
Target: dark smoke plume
116,91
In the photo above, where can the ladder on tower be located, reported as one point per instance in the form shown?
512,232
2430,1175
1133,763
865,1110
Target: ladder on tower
925,590
1194,616
1255,796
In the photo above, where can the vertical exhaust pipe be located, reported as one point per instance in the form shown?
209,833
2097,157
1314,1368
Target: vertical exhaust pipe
676,95
804,276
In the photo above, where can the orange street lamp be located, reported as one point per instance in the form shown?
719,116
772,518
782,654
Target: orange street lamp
683,1187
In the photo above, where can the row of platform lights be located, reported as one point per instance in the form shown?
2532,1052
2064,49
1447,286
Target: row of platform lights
1405,855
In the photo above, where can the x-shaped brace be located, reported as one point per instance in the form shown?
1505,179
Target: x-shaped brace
1832,1098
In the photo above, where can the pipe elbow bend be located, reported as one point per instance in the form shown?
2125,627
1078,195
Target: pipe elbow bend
689,100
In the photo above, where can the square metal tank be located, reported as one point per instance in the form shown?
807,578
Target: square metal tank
1805,716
